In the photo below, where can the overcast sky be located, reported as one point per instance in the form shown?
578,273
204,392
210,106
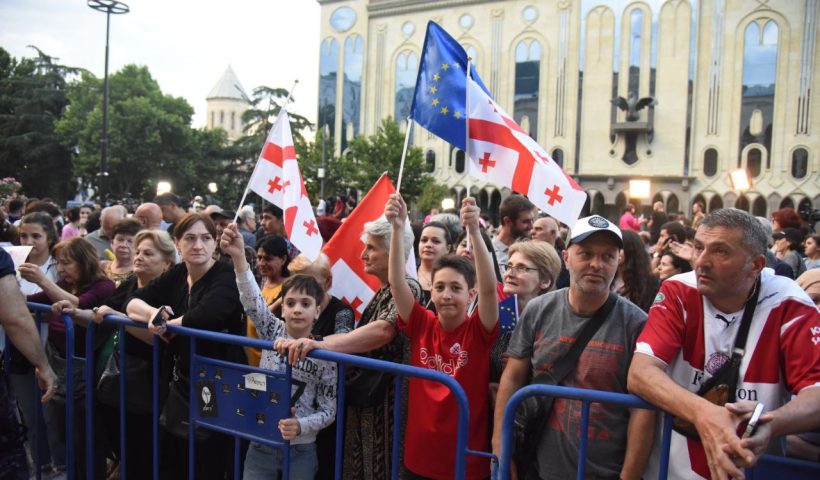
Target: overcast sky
185,44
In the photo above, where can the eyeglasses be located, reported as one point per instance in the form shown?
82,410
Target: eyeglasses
518,269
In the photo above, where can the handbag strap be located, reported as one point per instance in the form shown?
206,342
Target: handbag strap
739,348
564,365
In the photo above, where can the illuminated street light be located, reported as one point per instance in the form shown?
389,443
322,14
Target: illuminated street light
639,188
163,187
212,187
739,180
448,203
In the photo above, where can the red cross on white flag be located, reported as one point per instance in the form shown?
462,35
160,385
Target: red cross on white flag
277,179
502,153
268,175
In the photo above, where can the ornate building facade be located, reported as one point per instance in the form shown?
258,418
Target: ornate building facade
226,103
725,85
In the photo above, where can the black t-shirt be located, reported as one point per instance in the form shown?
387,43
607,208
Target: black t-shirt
212,304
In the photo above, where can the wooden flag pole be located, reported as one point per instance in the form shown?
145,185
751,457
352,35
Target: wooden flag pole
248,187
404,153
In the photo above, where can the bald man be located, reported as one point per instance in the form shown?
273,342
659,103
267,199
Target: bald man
150,215
109,218
545,229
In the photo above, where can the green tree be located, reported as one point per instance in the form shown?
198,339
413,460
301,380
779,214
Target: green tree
32,97
338,170
431,197
149,133
381,153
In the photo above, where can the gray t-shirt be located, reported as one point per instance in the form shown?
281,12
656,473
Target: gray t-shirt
545,332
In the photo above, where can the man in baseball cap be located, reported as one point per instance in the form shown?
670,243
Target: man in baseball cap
592,260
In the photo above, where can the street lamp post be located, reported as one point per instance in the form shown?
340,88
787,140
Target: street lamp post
117,8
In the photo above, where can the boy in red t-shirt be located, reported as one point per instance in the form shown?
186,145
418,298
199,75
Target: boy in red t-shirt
448,341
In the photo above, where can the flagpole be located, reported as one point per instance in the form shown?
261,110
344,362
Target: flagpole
467,126
404,153
467,133
248,187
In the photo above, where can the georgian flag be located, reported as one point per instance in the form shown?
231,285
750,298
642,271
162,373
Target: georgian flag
277,178
350,282
499,151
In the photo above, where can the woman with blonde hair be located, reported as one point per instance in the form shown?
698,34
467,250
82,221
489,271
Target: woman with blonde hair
154,254
531,270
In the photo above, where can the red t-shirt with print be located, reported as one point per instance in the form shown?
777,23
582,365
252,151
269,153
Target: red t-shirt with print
464,354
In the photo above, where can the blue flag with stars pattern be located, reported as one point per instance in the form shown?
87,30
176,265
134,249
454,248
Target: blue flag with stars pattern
508,314
439,102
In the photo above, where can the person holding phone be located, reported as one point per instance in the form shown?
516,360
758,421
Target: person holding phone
198,293
670,232
691,333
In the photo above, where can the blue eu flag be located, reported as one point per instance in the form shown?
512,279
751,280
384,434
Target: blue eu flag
441,87
508,314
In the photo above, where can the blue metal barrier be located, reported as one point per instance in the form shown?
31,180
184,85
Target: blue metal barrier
228,371
768,466
38,309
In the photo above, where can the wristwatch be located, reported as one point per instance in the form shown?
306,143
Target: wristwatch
95,309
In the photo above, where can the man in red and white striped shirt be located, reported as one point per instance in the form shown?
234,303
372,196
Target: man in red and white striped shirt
690,334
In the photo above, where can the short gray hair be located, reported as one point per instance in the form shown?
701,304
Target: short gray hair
246,213
382,228
754,235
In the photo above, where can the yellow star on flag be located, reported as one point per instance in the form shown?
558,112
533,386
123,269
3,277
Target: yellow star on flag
436,77
433,89
457,114
444,110
435,102
445,66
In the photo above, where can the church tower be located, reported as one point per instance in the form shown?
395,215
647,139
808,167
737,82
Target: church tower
226,104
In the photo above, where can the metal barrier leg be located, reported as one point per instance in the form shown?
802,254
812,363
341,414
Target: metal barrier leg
394,453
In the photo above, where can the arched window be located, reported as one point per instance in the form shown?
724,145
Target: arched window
406,68
472,53
221,118
212,119
753,162
233,120
558,157
715,203
527,76
328,70
759,207
430,159
742,203
352,88
759,74
459,161
710,162
800,163
635,43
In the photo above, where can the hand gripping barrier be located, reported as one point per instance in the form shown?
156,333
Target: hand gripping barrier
768,466
37,309
254,421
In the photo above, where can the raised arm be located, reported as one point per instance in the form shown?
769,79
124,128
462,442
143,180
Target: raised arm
485,273
396,213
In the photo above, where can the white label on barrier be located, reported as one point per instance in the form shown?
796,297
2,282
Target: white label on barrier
256,381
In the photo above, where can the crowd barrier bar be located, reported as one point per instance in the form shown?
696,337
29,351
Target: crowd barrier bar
588,397
342,360
766,466
38,309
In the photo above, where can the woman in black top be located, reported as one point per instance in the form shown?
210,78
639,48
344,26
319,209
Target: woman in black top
197,293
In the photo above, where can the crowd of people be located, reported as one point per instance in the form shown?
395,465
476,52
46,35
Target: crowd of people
666,307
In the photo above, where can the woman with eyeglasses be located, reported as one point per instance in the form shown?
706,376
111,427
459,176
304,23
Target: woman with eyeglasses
435,241
531,270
